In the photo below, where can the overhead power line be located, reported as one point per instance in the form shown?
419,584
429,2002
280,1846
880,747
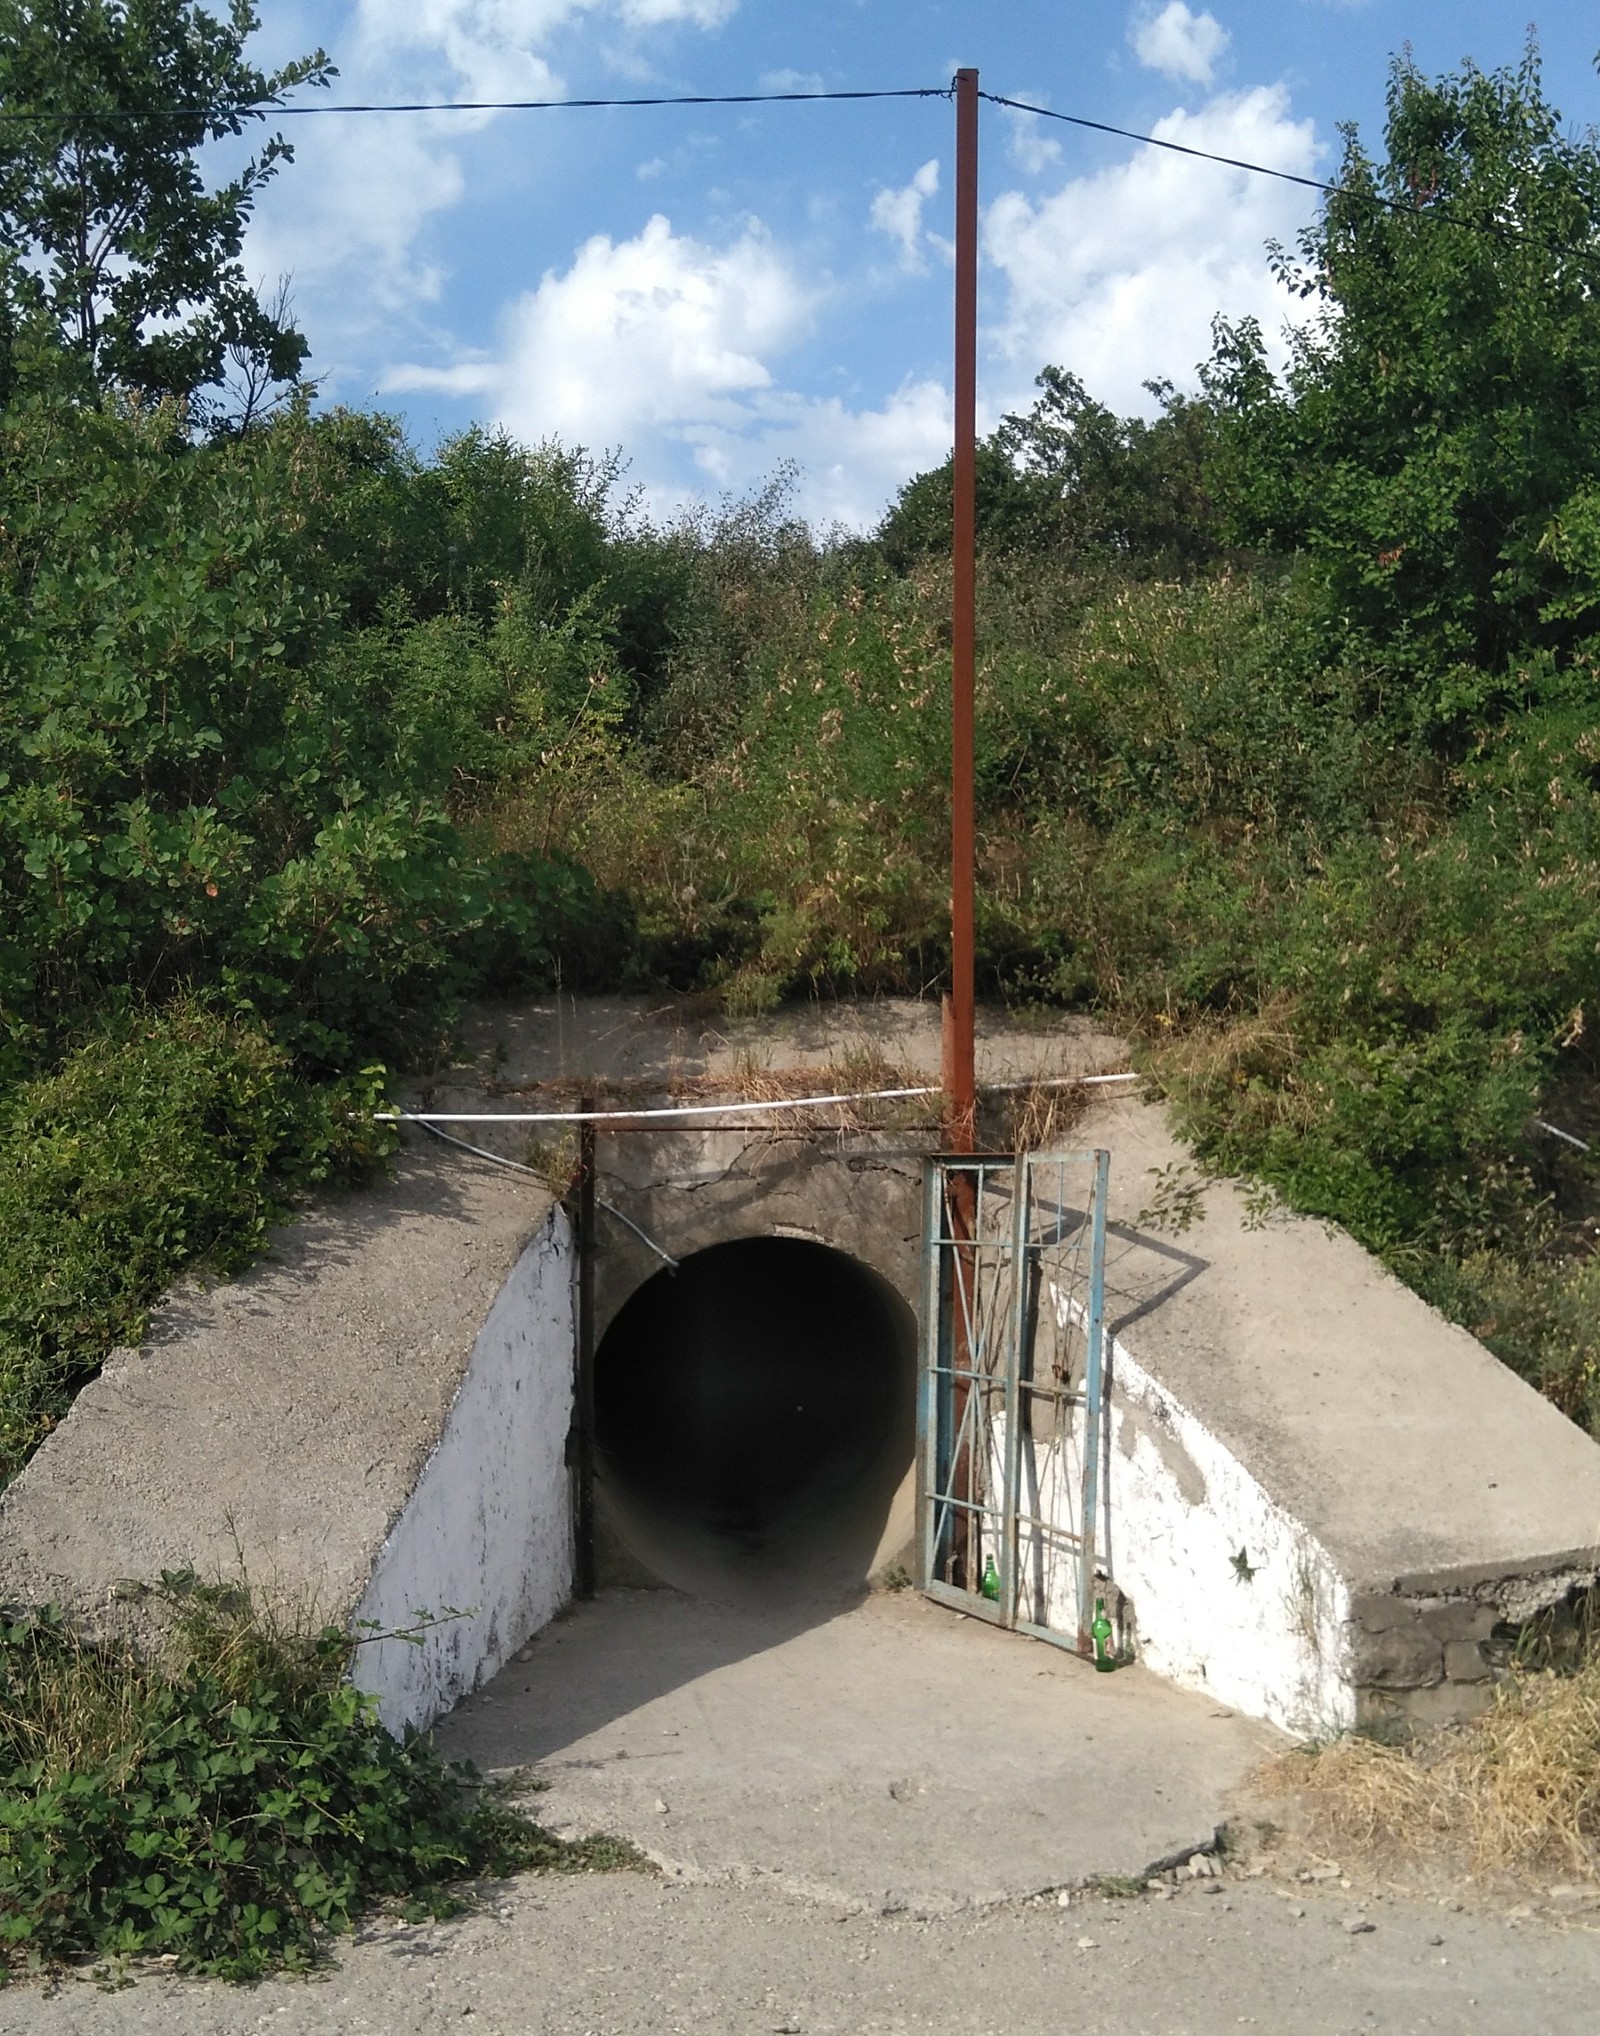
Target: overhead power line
1180,148
261,112
1497,229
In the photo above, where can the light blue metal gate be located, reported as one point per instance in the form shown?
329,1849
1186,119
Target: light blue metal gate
1012,1391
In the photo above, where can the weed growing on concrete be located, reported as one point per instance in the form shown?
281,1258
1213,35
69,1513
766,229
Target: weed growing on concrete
232,1802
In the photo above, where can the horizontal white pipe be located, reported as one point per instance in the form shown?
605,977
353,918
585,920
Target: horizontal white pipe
713,1109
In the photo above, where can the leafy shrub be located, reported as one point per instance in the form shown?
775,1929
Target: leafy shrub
172,1140
208,776
233,1806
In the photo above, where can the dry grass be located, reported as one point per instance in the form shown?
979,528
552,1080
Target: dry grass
1026,1120
1515,1792
750,1081
1043,1116
1243,1064
75,1707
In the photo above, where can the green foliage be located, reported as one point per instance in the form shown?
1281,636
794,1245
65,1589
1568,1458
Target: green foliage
170,1141
116,243
1070,477
234,1806
1286,758
207,777
1434,447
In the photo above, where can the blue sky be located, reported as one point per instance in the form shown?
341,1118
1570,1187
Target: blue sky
719,291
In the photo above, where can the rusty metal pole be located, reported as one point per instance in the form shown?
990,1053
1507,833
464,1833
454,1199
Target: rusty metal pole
959,1052
960,1072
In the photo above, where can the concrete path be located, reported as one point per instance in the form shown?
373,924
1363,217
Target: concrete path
626,1955
889,1754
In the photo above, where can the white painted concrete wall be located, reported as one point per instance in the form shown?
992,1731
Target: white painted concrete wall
1229,1594
1179,1508
487,1531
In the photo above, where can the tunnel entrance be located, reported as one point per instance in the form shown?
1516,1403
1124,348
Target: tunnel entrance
754,1417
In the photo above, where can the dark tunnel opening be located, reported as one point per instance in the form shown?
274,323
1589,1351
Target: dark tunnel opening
754,1416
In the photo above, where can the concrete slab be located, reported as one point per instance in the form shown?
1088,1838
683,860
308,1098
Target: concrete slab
629,1040
301,1419
889,1753
1398,1439
1403,1501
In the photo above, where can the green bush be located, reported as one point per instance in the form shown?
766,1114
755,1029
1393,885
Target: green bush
234,1806
172,1140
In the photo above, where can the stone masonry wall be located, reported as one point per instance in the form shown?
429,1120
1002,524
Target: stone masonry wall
1420,1657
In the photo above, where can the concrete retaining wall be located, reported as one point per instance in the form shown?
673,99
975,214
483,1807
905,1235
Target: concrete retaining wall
1229,1593
1324,1502
485,1540
370,1422
1405,1504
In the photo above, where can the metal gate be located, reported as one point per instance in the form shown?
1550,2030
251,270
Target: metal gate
1012,1389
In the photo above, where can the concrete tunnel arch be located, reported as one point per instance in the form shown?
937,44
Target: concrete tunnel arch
755,1417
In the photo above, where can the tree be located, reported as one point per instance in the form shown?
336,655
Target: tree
1071,476
110,239
1130,489
1434,446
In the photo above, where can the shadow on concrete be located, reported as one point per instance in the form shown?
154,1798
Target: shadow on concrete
612,1658
1144,1287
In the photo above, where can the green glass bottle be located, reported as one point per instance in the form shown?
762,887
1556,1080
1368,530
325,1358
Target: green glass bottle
991,1583
1101,1634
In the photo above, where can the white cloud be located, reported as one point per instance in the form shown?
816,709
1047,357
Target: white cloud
1178,43
348,223
660,13
495,47
1028,143
1118,275
790,81
898,212
667,347
655,336
852,462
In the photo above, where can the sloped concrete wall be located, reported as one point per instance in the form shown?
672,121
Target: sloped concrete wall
483,1548
1422,1503
369,1422
1230,1593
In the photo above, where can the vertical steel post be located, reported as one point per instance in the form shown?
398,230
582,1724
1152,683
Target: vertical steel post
583,1378
960,1074
1094,1392
933,1380
1015,1388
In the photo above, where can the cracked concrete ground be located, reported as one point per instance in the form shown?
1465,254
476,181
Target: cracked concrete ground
633,1955
883,1751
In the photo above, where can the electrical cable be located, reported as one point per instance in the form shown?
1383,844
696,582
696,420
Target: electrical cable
1181,148
516,1166
1399,207
262,112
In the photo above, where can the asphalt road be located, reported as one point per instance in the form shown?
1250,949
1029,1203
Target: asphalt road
634,1955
